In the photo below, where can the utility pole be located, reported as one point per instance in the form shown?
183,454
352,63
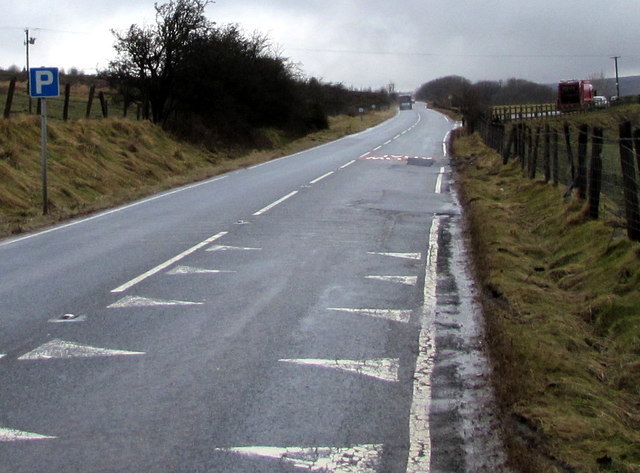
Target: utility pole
615,58
28,40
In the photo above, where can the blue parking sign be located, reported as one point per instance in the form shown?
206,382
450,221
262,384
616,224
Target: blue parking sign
44,82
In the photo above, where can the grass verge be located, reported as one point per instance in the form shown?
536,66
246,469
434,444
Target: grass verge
97,164
562,307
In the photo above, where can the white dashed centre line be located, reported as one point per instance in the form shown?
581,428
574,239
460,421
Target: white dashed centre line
318,179
167,263
277,202
351,162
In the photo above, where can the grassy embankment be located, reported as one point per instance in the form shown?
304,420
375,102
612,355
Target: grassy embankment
96,164
561,296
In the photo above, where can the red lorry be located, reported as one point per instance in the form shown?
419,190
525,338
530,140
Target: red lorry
574,95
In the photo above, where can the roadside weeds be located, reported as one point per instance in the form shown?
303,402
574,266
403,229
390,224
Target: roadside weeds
562,308
99,164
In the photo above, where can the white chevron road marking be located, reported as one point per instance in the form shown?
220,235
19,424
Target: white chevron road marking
405,280
135,301
388,314
358,459
11,435
413,256
61,349
384,369
179,270
231,248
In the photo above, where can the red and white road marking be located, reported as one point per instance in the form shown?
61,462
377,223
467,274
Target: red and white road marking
392,157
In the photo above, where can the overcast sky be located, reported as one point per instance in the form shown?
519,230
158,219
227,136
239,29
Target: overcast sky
362,43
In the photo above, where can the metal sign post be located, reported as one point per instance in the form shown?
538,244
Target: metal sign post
43,155
44,83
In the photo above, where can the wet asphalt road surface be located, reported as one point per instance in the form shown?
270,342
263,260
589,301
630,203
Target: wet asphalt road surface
310,314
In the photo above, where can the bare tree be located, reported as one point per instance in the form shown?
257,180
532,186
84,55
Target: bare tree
148,58
602,85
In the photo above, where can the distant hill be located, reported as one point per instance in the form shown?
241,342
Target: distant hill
628,85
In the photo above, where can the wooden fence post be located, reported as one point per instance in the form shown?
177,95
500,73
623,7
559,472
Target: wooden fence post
65,109
529,151
581,178
10,92
629,182
525,139
103,104
546,154
554,158
595,174
506,152
567,139
92,92
636,142
533,160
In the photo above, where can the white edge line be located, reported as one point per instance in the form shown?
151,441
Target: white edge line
277,202
112,211
318,179
439,181
444,143
167,263
419,429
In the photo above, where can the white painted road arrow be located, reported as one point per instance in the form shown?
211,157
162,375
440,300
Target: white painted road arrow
10,435
61,349
385,369
358,459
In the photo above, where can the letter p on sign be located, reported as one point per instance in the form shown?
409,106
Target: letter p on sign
44,82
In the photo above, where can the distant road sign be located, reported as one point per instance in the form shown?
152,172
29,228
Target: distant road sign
44,82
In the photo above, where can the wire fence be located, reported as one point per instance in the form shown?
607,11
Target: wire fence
600,166
76,101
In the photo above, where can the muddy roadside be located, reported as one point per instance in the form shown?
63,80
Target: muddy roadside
560,306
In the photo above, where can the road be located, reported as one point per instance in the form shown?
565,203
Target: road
274,319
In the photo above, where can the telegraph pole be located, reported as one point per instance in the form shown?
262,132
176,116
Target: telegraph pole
615,58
